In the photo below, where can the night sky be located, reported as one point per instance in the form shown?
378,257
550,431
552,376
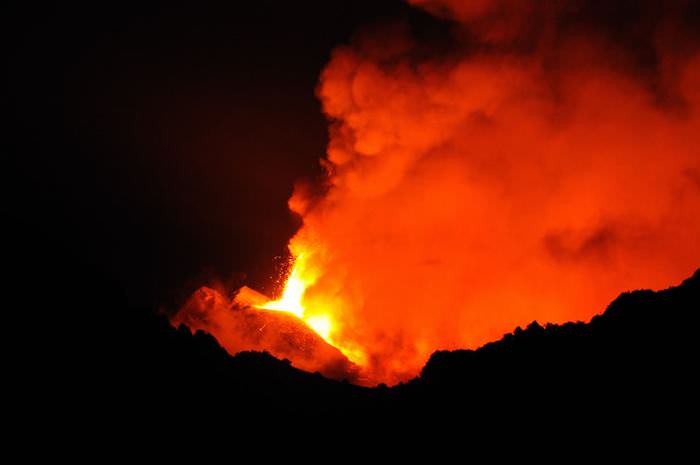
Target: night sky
157,145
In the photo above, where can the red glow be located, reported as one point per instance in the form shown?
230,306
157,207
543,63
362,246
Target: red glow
472,194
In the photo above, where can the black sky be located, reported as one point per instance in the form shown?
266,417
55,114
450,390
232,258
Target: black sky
157,145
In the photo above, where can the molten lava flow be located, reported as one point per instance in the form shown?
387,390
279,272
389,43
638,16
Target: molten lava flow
318,318
291,301
240,326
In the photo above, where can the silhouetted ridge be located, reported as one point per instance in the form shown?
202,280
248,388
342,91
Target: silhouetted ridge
637,328
576,386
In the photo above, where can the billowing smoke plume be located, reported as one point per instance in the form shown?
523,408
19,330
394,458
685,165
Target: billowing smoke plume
542,160
547,161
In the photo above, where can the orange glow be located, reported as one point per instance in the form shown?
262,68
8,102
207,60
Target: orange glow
292,294
472,193
319,318
240,325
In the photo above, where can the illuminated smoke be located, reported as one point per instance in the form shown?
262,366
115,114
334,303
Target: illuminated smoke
547,161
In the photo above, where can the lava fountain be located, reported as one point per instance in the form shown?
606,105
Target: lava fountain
321,320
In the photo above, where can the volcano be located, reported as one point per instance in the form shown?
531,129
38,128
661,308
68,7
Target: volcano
240,326
579,386
518,160
349,229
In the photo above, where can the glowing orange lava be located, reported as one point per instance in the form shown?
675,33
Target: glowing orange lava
318,318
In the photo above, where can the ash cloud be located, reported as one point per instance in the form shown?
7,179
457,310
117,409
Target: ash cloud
531,170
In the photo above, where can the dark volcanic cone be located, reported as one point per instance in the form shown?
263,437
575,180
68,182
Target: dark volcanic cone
238,326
